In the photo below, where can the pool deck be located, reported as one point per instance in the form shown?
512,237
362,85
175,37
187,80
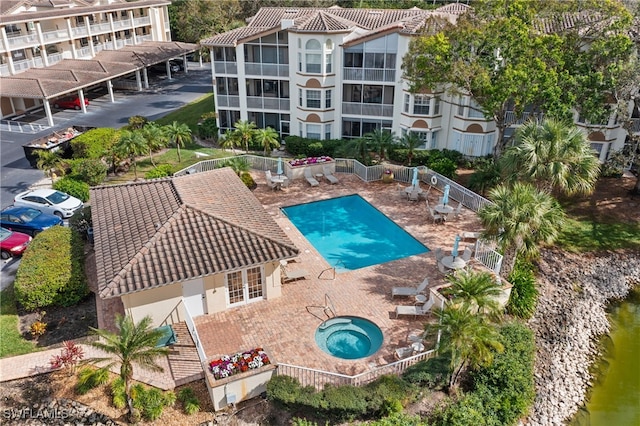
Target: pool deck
285,328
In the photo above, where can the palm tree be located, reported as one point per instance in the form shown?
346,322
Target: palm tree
244,133
132,344
520,218
132,145
552,155
410,141
477,288
469,339
47,160
227,141
178,134
155,138
238,164
357,148
380,140
268,138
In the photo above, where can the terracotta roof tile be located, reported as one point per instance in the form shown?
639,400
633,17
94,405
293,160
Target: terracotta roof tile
321,21
159,232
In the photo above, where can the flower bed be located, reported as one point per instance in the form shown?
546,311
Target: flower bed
239,363
309,160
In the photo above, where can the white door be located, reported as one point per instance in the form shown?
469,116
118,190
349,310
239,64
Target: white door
244,286
194,297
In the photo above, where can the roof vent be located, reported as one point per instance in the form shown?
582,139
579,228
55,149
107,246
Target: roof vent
286,23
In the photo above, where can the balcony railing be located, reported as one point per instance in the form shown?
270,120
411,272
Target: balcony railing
369,74
355,108
54,58
79,31
144,38
227,101
23,41
84,51
56,35
4,70
511,119
256,68
121,23
267,103
225,67
140,22
103,27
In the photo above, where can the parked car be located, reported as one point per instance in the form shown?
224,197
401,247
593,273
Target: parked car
12,243
178,62
49,201
69,102
27,220
162,67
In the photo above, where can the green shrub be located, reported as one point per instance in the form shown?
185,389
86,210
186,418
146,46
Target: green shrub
90,170
151,401
137,122
73,187
524,294
283,390
94,143
247,179
51,272
344,402
118,396
466,411
81,220
399,419
160,171
207,128
485,176
90,378
304,147
444,166
189,401
432,373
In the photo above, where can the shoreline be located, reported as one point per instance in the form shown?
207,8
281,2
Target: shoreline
571,316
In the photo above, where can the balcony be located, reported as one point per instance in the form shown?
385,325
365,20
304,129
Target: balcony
268,103
84,52
274,70
227,101
20,42
101,28
142,39
378,110
511,119
54,36
121,23
4,70
54,58
142,21
80,31
369,74
225,67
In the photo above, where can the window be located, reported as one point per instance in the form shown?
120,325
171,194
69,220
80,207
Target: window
313,98
461,106
327,99
436,106
244,286
327,60
406,102
327,131
314,131
353,59
300,98
300,62
313,60
421,104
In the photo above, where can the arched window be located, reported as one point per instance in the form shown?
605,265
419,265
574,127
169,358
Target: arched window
313,57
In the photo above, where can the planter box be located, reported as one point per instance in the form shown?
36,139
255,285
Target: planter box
238,387
297,172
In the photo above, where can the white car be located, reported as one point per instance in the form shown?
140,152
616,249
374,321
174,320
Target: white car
49,201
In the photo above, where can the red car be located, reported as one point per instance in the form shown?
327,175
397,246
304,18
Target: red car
12,243
70,102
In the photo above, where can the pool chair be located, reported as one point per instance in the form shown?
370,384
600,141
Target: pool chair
466,254
414,310
273,185
403,352
326,171
458,211
410,291
307,175
289,275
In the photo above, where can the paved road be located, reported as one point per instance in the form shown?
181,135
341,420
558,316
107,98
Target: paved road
165,96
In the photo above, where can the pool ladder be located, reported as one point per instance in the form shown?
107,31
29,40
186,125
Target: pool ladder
328,309
332,269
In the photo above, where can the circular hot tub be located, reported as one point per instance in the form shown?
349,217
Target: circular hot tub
349,337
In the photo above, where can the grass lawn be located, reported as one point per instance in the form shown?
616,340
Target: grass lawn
11,342
190,114
585,235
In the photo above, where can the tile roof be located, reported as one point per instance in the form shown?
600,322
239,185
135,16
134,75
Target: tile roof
332,19
163,231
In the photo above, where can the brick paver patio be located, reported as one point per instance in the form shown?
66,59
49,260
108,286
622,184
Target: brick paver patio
285,328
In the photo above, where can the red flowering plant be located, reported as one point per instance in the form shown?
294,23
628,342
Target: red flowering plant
229,365
309,160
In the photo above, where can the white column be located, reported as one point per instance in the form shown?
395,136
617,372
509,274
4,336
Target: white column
242,81
138,82
47,111
72,39
5,41
168,67
133,27
113,31
145,78
83,107
110,89
43,49
89,36
184,62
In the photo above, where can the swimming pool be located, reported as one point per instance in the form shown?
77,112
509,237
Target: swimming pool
349,337
351,234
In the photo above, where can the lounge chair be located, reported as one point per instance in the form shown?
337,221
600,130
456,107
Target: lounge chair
410,291
403,352
329,175
414,310
289,275
307,174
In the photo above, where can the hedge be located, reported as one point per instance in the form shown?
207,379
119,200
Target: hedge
94,143
51,272
89,170
161,170
73,187
304,147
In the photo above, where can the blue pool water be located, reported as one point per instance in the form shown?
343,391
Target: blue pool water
351,234
349,337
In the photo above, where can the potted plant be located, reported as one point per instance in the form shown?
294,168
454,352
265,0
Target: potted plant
387,176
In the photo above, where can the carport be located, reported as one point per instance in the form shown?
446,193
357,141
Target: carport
26,90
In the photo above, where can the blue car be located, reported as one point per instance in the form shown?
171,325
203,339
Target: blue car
27,220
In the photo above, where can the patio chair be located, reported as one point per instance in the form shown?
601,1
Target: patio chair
439,253
307,174
435,217
403,352
443,269
466,254
413,195
289,275
470,235
326,171
414,310
410,291
273,185
458,211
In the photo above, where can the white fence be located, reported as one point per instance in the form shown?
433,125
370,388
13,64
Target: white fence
318,378
191,326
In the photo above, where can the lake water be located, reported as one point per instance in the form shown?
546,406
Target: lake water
615,398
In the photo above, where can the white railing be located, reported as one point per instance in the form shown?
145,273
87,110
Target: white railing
511,119
227,101
4,70
267,103
257,68
55,35
318,378
358,108
84,51
225,67
485,254
144,38
79,31
23,41
191,326
103,27
145,20
121,23
54,58
369,74
21,127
